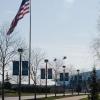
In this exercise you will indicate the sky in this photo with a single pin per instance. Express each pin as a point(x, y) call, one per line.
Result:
point(59, 27)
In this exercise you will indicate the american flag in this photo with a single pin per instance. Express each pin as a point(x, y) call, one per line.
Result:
point(24, 9)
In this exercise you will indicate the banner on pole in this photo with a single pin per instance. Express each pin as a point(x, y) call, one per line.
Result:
point(25, 68)
point(66, 76)
point(15, 67)
point(43, 73)
point(62, 76)
point(49, 73)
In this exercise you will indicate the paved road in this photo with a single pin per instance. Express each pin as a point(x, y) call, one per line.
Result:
point(73, 98)
point(25, 97)
point(39, 96)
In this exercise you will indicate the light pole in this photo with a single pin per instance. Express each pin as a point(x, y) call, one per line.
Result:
point(72, 82)
point(46, 61)
point(3, 78)
point(55, 75)
point(64, 79)
point(64, 75)
point(35, 86)
point(20, 50)
point(78, 80)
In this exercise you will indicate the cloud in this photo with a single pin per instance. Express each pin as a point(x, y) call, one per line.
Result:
point(70, 1)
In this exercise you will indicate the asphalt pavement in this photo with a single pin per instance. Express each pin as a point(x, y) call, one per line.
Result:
point(40, 96)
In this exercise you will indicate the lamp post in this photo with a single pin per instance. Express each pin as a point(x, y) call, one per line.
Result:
point(20, 50)
point(35, 86)
point(46, 61)
point(72, 84)
point(3, 78)
point(78, 80)
point(64, 58)
point(64, 79)
point(55, 75)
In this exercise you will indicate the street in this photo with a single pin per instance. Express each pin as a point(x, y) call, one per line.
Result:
point(40, 96)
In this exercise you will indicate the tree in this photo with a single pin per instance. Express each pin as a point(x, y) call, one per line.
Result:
point(72, 71)
point(8, 49)
point(57, 65)
point(96, 47)
point(94, 86)
point(7, 83)
point(36, 59)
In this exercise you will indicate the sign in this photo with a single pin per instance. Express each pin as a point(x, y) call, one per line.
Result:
point(25, 68)
point(62, 77)
point(42, 73)
point(66, 76)
point(15, 67)
point(49, 73)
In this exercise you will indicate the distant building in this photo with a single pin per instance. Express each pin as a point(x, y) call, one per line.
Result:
point(86, 76)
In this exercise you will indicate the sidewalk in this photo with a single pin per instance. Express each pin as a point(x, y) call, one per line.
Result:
point(39, 96)
point(73, 98)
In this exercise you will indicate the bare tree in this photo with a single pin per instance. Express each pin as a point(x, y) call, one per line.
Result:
point(8, 49)
point(96, 47)
point(36, 60)
point(72, 71)
point(37, 57)
point(56, 69)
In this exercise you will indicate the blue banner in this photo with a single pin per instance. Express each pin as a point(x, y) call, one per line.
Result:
point(66, 76)
point(62, 76)
point(49, 73)
point(25, 68)
point(42, 73)
point(15, 67)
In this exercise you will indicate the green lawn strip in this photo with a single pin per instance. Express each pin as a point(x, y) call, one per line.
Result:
point(16, 94)
point(84, 99)
point(11, 93)
point(87, 98)
point(22, 94)
point(53, 97)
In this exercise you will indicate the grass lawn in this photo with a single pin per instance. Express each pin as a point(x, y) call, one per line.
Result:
point(87, 98)
point(16, 94)
point(12, 93)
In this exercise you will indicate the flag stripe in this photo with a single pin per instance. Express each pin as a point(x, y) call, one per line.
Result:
point(24, 9)
point(23, 15)
point(26, 5)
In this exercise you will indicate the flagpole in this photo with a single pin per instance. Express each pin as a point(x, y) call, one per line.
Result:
point(30, 44)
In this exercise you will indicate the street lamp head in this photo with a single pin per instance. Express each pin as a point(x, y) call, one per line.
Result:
point(55, 59)
point(20, 50)
point(64, 66)
point(78, 70)
point(64, 57)
point(46, 60)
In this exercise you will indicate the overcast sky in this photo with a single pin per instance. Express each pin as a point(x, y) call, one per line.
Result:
point(59, 27)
